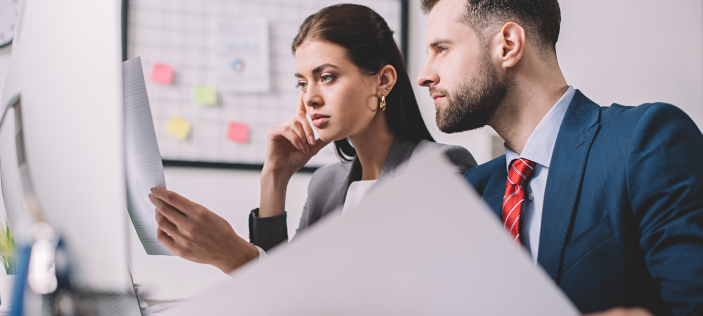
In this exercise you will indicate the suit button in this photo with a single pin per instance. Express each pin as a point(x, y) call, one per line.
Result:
point(531, 196)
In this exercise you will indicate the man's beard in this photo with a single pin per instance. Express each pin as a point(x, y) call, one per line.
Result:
point(473, 105)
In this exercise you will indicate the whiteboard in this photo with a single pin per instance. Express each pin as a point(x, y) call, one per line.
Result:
point(183, 34)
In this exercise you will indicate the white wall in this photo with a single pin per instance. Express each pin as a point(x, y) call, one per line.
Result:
point(626, 51)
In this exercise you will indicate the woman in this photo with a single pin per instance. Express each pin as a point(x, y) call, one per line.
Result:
point(354, 86)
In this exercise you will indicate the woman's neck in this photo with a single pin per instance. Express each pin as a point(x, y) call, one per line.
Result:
point(372, 146)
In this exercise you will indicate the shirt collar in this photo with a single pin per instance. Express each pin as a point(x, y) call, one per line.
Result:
point(540, 144)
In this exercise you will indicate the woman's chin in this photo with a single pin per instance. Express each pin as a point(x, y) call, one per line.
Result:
point(328, 137)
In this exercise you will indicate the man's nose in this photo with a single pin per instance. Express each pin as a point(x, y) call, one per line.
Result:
point(427, 77)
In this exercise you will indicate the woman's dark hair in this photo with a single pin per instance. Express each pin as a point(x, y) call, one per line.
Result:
point(369, 44)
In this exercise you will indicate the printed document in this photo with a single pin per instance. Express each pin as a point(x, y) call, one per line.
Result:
point(142, 158)
point(421, 243)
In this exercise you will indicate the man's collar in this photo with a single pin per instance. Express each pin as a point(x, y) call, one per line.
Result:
point(540, 144)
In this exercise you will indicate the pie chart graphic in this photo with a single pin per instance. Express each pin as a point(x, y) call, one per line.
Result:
point(238, 65)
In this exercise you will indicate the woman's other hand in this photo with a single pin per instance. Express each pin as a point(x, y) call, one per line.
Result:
point(195, 233)
point(291, 144)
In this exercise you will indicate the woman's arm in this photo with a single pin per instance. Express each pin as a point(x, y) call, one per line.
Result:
point(289, 147)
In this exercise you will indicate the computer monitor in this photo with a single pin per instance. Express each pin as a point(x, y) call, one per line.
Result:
point(65, 74)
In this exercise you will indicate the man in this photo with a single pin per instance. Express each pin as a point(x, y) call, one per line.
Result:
point(608, 200)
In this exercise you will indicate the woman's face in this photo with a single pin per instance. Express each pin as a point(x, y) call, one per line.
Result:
point(340, 99)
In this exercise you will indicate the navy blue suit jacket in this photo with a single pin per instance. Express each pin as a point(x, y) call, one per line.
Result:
point(622, 221)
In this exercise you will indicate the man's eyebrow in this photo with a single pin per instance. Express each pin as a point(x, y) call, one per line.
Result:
point(440, 41)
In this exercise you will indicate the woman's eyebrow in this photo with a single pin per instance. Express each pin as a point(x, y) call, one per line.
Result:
point(317, 69)
point(321, 67)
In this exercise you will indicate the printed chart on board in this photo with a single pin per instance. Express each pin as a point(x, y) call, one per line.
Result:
point(219, 73)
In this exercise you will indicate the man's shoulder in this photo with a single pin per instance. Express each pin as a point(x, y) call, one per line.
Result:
point(645, 125)
point(480, 175)
point(627, 117)
point(458, 155)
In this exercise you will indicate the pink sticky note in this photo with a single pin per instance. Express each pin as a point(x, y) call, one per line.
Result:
point(238, 132)
point(162, 73)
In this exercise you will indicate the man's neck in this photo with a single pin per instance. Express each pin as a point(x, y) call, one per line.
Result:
point(525, 104)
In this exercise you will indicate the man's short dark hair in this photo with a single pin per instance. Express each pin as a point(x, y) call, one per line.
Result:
point(541, 19)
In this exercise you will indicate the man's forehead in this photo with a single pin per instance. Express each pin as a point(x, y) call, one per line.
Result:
point(448, 10)
point(445, 20)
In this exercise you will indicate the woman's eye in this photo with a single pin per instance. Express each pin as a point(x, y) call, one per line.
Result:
point(326, 78)
point(301, 85)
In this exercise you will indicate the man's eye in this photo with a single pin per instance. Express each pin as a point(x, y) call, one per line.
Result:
point(301, 85)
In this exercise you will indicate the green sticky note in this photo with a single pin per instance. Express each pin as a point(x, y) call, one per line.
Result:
point(205, 95)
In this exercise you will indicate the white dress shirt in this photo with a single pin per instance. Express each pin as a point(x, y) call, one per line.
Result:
point(356, 193)
point(539, 148)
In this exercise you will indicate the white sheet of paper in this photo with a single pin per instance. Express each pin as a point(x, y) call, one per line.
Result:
point(142, 158)
point(422, 244)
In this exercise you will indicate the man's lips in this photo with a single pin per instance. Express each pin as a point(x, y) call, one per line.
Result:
point(438, 98)
point(318, 119)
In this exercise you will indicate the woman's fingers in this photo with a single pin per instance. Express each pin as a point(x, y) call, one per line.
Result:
point(165, 239)
point(294, 133)
point(309, 134)
point(301, 102)
point(174, 215)
point(173, 199)
point(165, 224)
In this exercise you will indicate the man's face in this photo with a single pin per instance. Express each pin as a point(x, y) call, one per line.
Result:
point(464, 83)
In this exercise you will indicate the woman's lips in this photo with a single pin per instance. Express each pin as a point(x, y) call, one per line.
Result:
point(318, 119)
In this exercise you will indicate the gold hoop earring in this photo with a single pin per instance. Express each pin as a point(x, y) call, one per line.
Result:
point(383, 104)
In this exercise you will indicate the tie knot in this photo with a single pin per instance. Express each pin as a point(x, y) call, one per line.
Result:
point(520, 171)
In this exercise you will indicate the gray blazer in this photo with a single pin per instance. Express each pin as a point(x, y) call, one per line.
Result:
point(327, 190)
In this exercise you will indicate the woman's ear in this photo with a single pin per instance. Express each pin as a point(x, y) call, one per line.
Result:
point(387, 78)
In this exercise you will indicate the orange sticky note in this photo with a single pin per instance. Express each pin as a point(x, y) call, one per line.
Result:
point(238, 132)
point(162, 73)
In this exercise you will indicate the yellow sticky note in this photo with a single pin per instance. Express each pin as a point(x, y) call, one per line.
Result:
point(205, 95)
point(178, 128)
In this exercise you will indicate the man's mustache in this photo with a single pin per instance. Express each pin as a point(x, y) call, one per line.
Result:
point(436, 90)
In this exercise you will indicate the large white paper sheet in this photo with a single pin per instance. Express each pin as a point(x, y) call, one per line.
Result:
point(142, 158)
point(422, 244)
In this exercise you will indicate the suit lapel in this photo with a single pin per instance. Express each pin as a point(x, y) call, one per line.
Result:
point(495, 190)
point(578, 129)
point(337, 198)
point(400, 151)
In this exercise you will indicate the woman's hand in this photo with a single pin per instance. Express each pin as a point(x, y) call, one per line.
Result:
point(291, 144)
point(195, 233)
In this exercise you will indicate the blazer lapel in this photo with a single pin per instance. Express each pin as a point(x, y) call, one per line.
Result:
point(495, 190)
point(337, 198)
point(399, 152)
point(578, 129)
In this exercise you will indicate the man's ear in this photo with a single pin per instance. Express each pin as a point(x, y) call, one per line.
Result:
point(511, 41)
point(386, 80)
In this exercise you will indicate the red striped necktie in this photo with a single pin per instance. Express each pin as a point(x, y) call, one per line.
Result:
point(519, 173)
